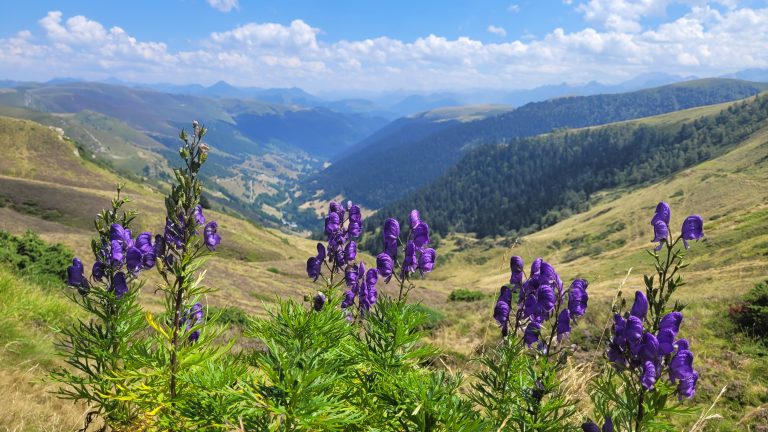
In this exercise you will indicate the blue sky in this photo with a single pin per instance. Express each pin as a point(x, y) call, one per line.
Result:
point(383, 45)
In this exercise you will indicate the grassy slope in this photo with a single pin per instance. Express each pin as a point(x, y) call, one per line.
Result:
point(256, 264)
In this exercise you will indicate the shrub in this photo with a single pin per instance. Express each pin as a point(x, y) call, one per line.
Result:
point(465, 295)
point(230, 315)
point(751, 314)
point(29, 255)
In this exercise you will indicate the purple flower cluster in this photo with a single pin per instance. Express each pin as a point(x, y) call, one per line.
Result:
point(174, 230)
point(119, 254)
point(540, 298)
point(692, 229)
point(651, 354)
point(361, 286)
point(416, 256)
point(341, 227)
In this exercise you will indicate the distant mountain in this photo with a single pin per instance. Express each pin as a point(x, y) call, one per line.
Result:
point(376, 175)
point(758, 75)
point(534, 182)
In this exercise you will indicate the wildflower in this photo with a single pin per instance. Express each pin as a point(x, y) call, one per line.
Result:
point(391, 235)
point(648, 379)
point(194, 317)
point(410, 261)
point(119, 285)
point(649, 347)
point(197, 214)
point(384, 265)
point(669, 326)
point(516, 267)
point(633, 332)
point(531, 334)
point(413, 218)
point(693, 229)
point(578, 298)
point(355, 221)
point(426, 261)
point(502, 308)
point(332, 223)
point(663, 214)
point(75, 275)
point(98, 271)
point(349, 299)
point(318, 301)
point(421, 234)
point(640, 306)
point(314, 264)
point(350, 251)
point(211, 236)
point(590, 426)
point(660, 233)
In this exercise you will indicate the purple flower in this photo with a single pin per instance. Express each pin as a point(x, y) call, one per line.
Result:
point(211, 236)
point(668, 329)
point(693, 229)
point(98, 271)
point(75, 276)
point(426, 261)
point(681, 365)
point(413, 218)
point(590, 426)
point(391, 234)
point(662, 214)
point(197, 214)
point(367, 290)
point(545, 301)
point(159, 247)
point(384, 265)
point(120, 234)
point(563, 325)
point(648, 378)
point(616, 356)
point(502, 308)
point(619, 328)
point(421, 234)
point(332, 223)
point(349, 299)
point(337, 208)
point(133, 259)
point(315, 263)
point(144, 243)
point(660, 233)
point(633, 332)
point(536, 267)
point(640, 306)
point(119, 285)
point(350, 276)
point(350, 251)
point(516, 267)
point(686, 388)
point(174, 233)
point(531, 334)
point(578, 298)
point(355, 221)
point(409, 261)
point(116, 253)
point(608, 425)
point(649, 347)
point(318, 301)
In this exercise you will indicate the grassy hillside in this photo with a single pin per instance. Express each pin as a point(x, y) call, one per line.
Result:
point(45, 186)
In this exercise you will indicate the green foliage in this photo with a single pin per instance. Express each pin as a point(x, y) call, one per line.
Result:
point(751, 315)
point(465, 295)
point(30, 256)
point(96, 348)
point(489, 192)
point(229, 315)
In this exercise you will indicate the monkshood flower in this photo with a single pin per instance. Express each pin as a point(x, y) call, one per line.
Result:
point(76, 277)
point(315, 263)
point(211, 236)
point(693, 229)
point(385, 265)
point(119, 285)
point(318, 301)
point(391, 234)
point(590, 426)
point(653, 355)
point(541, 297)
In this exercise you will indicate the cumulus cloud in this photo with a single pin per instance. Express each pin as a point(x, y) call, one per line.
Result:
point(224, 5)
point(498, 31)
point(514, 8)
point(704, 41)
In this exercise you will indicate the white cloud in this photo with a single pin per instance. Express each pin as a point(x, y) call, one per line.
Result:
point(705, 41)
point(514, 8)
point(498, 31)
point(224, 5)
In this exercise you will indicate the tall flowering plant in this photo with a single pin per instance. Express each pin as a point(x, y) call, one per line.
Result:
point(96, 347)
point(163, 366)
point(520, 386)
point(650, 365)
